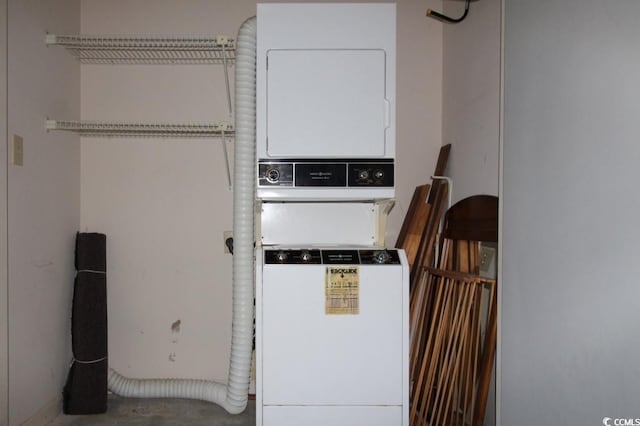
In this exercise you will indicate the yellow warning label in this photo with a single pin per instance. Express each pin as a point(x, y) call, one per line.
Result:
point(342, 290)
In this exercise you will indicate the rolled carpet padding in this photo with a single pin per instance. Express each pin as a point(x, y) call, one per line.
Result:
point(89, 316)
point(86, 389)
point(91, 251)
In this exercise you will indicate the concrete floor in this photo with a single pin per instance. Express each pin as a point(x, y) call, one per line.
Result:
point(161, 412)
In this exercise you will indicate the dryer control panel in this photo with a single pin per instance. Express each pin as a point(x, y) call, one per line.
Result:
point(328, 174)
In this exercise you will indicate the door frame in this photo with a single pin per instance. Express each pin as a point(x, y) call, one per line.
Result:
point(4, 292)
point(500, 222)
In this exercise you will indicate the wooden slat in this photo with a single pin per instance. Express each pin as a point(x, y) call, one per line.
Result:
point(414, 223)
point(436, 199)
point(425, 253)
point(450, 364)
point(441, 167)
point(459, 275)
point(486, 365)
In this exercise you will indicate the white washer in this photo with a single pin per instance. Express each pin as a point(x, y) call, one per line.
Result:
point(321, 361)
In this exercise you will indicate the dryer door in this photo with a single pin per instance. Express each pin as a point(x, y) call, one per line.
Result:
point(326, 103)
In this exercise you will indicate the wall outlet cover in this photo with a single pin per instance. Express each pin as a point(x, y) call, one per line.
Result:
point(486, 258)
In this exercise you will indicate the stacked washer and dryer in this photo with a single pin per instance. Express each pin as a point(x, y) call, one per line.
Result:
point(331, 302)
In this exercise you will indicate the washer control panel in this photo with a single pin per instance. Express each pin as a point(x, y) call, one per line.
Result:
point(331, 257)
point(349, 173)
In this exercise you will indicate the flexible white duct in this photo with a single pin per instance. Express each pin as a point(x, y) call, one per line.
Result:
point(233, 396)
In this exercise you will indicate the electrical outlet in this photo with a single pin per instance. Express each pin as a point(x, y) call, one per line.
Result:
point(225, 236)
point(18, 151)
point(486, 258)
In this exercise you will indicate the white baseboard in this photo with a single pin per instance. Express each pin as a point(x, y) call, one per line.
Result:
point(45, 414)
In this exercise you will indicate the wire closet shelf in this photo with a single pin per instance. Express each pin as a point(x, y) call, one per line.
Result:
point(125, 50)
point(118, 129)
point(92, 49)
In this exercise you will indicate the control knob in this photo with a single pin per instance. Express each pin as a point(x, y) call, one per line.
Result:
point(378, 174)
point(364, 174)
point(273, 175)
point(381, 256)
point(282, 256)
point(305, 256)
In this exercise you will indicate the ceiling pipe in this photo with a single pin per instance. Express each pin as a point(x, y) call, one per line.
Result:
point(447, 19)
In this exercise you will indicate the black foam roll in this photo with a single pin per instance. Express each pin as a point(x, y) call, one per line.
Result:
point(86, 389)
point(91, 251)
point(89, 316)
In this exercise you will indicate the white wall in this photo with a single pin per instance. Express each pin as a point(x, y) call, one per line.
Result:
point(164, 204)
point(571, 300)
point(419, 103)
point(471, 96)
point(471, 106)
point(43, 204)
point(4, 317)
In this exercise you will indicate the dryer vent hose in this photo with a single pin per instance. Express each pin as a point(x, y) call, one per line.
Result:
point(233, 396)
